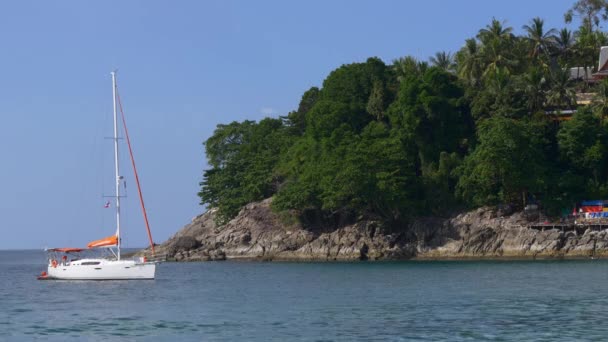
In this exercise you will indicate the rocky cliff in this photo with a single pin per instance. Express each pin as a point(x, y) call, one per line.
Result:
point(258, 233)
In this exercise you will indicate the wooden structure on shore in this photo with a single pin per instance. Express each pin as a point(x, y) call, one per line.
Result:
point(569, 227)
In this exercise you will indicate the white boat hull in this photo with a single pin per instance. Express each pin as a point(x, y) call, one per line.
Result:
point(101, 269)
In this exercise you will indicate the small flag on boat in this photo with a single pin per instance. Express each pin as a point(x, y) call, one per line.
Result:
point(107, 205)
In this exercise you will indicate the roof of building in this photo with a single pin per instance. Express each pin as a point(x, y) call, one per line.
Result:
point(603, 64)
point(583, 73)
point(602, 68)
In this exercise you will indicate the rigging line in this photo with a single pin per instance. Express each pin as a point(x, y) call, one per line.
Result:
point(102, 167)
point(141, 198)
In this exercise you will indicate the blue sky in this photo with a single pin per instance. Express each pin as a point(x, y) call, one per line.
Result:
point(183, 67)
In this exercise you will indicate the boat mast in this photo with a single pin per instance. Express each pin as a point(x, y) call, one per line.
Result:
point(116, 166)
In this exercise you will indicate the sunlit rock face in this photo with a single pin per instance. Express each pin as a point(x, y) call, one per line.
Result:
point(258, 233)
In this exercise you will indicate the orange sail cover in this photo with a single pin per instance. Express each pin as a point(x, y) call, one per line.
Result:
point(107, 241)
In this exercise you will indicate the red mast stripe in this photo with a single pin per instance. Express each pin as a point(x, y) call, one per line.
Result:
point(141, 198)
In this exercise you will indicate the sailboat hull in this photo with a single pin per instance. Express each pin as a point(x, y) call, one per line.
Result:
point(102, 269)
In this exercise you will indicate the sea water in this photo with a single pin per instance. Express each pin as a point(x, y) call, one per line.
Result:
point(272, 301)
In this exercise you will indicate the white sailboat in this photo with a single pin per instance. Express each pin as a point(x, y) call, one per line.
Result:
point(68, 263)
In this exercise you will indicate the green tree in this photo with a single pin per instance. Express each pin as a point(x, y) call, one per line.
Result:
point(440, 181)
point(408, 66)
point(433, 110)
point(534, 85)
point(591, 13)
point(561, 94)
point(495, 31)
point(564, 45)
point(587, 45)
point(469, 63)
point(498, 44)
point(443, 60)
point(373, 174)
point(582, 144)
point(540, 41)
point(345, 97)
point(297, 119)
point(329, 170)
point(500, 96)
point(507, 164)
point(376, 103)
point(391, 186)
point(600, 100)
point(301, 167)
point(242, 157)
point(393, 142)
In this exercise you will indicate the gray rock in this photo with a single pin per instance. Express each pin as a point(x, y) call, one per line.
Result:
point(185, 243)
point(258, 233)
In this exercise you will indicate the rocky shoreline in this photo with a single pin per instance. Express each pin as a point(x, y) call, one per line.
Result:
point(257, 233)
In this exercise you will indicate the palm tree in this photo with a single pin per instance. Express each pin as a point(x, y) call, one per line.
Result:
point(496, 55)
point(600, 100)
point(497, 43)
point(408, 66)
point(564, 43)
point(540, 41)
point(499, 87)
point(587, 46)
point(533, 84)
point(443, 60)
point(561, 94)
point(495, 31)
point(469, 62)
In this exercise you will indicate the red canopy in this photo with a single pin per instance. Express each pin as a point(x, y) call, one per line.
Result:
point(66, 250)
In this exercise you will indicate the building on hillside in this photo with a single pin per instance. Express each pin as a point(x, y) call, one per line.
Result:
point(591, 212)
point(586, 75)
point(602, 68)
point(581, 74)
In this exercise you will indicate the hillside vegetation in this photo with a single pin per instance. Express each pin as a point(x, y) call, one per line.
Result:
point(416, 138)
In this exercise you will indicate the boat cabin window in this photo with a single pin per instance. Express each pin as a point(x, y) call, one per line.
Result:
point(90, 263)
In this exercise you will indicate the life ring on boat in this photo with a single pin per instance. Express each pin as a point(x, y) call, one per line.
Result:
point(54, 263)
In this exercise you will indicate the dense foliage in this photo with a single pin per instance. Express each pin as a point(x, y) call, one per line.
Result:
point(416, 138)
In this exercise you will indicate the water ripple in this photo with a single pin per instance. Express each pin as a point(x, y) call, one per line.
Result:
point(406, 301)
